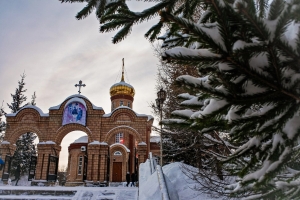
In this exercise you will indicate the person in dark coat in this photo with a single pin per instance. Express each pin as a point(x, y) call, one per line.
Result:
point(17, 174)
point(127, 179)
point(133, 180)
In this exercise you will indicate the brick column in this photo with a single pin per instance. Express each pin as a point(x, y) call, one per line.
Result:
point(142, 152)
point(6, 149)
point(103, 161)
point(44, 149)
point(93, 152)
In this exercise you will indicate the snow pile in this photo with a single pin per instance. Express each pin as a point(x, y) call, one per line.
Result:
point(175, 177)
point(145, 181)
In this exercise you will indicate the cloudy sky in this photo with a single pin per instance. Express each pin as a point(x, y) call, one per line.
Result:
point(55, 50)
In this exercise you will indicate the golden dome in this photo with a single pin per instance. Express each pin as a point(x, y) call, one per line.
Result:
point(122, 87)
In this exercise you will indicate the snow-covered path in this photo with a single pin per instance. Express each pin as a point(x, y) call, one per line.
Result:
point(81, 193)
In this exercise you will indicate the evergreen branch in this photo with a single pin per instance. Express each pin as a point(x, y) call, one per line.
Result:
point(100, 8)
point(193, 28)
point(283, 22)
point(154, 31)
point(287, 50)
point(122, 33)
point(274, 62)
point(262, 6)
point(206, 16)
point(87, 10)
point(125, 16)
point(276, 8)
point(113, 25)
point(259, 26)
point(262, 80)
point(112, 8)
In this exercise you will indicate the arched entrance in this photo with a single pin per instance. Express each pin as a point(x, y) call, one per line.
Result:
point(73, 158)
point(119, 155)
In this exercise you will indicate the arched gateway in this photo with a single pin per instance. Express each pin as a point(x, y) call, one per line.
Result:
point(116, 142)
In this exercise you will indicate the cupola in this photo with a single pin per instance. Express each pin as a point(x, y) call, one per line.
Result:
point(121, 93)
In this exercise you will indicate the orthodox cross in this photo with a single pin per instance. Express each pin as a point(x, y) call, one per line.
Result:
point(79, 85)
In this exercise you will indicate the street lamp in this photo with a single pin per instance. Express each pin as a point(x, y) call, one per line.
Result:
point(161, 97)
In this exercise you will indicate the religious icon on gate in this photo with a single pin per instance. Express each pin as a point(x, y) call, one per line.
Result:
point(74, 112)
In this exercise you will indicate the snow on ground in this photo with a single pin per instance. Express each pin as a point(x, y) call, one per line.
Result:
point(25, 191)
point(181, 183)
point(82, 193)
point(177, 182)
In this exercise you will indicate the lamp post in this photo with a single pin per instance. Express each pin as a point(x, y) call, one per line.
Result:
point(161, 97)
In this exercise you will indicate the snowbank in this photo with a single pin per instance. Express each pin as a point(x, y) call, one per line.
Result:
point(149, 186)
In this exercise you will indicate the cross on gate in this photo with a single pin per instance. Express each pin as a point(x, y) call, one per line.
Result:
point(79, 85)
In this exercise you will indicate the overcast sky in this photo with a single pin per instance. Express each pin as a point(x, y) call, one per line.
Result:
point(44, 39)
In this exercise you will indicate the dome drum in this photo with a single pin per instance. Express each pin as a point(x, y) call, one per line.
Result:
point(121, 96)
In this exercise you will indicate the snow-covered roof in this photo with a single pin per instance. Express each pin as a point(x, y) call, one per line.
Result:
point(119, 144)
point(5, 142)
point(155, 139)
point(121, 83)
point(97, 143)
point(75, 96)
point(142, 143)
point(83, 139)
point(126, 107)
point(42, 114)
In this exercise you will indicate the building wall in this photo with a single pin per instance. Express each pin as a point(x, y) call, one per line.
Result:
point(99, 127)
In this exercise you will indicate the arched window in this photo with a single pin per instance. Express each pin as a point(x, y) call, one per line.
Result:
point(129, 104)
point(121, 103)
point(119, 138)
point(118, 153)
point(80, 165)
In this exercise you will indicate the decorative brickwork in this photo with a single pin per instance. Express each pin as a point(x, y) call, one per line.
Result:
point(101, 130)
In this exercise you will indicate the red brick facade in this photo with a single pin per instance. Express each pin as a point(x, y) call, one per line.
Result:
point(101, 130)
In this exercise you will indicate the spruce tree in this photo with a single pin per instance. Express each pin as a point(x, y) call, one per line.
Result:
point(33, 97)
point(25, 144)
point(19, 97)
point(2, 124)
point(249, 64)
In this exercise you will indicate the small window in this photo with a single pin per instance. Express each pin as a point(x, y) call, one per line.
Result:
point(121, 103)
point(118, 153)
point(80, 165)
point(129, 104)
point(119, 138)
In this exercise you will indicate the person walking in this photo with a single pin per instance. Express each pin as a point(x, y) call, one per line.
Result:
point(17, 174)
point(133, 180)
point(127, 179)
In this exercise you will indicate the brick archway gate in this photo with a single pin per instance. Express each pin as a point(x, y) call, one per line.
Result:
point(78, 113)
point(74, 113)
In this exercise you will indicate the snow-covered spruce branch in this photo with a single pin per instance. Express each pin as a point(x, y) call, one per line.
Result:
point(262, 80)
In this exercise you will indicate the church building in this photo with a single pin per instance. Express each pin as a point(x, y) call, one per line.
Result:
point(115, 142)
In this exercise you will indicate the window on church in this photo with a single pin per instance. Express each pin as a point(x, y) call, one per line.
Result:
point(129, 104)
point(119, 138)
point(80, 165)
point(118, 153)
point(121, 103)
